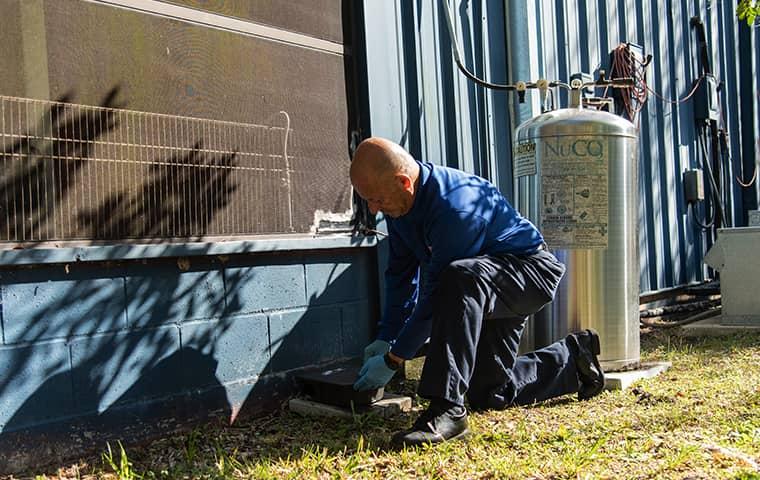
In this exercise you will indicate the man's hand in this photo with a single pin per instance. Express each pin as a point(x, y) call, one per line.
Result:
point(378, 347)
point(374, 374)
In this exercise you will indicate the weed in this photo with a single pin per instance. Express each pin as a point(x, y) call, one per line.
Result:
point(191, 445)
point(121, 466)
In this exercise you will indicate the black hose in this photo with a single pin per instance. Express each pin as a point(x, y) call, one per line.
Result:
point(704, 226)
point(713, 183)
point(694, 318)
point(457, 54)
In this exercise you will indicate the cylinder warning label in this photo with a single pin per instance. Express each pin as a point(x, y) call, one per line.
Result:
point(575, 211)
point(524, 159)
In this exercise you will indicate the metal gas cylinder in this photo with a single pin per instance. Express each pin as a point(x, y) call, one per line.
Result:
point(576, 178)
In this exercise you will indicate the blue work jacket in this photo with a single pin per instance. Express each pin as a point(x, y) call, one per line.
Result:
point(455, 215)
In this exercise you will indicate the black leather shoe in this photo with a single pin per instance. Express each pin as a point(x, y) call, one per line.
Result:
point(590, 373)
point(435, 425)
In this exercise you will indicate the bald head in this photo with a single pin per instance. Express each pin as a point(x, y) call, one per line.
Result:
point(385, 175)
point(378, 158)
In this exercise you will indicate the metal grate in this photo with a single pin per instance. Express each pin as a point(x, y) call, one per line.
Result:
point(73, 172)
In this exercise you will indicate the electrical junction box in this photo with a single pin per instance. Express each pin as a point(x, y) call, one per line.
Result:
point(693, 186)
point(753, 218)
point(706, 106)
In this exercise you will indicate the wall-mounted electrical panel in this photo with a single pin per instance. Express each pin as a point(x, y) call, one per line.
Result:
point(706, 106)
point(693, 186)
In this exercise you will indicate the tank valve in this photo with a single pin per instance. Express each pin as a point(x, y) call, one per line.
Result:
point(576, 89)
point(622, 82)
point(520, 88)
point(542, 85)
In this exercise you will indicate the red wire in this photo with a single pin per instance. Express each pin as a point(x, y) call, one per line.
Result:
point(622, 59)
point(678, 100)
point(748, 184)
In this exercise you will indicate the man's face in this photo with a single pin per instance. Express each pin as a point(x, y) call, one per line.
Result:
point(386, 196)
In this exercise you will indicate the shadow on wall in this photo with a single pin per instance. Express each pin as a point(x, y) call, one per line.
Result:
point(325, 318)
point(101, 339)
point(86, 339)
point(95, 365)
point(56, 163)
point(180, 191)
point(45, 173)
point(101, 351)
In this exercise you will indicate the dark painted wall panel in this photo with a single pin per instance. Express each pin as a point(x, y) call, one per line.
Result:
point(35, 384)
point(171, 129)
point(181, 345)
point(56, 303)
point(239, 345)
point(354, 327)
point(336, 281)
point(110, 370)
point(301, 338)
point(177, 293)
point(319, 18)
point(265, 287)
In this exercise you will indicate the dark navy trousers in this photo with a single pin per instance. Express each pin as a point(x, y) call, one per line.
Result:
point(480, 308)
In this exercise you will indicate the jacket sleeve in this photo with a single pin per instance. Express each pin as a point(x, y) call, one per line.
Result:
point(401, 286)
point(454, 236)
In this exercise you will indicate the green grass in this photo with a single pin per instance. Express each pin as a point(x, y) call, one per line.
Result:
point(698, 420)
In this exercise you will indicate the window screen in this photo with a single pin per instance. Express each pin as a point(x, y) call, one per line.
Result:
point(132, 121)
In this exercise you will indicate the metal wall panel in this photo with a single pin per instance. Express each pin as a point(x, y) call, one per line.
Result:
point(442, 117)
point(419, 99)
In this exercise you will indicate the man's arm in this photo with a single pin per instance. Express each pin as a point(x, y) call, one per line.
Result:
point(401, 282)
point(454, 236)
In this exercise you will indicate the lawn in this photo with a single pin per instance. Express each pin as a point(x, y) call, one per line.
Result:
point(698, 420)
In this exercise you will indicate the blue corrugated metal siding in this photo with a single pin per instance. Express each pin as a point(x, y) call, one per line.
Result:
point(442, 117)
point(749, 58)
point(418, 98)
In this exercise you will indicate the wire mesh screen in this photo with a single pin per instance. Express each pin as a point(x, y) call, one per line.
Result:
point(73, 171)
point(123, 123)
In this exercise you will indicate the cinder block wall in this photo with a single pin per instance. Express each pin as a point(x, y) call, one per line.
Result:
point(118, 350)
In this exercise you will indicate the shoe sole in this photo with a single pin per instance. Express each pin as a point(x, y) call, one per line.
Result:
point(596, 348)
point(596, 345)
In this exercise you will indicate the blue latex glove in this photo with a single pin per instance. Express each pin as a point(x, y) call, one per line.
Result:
point(374, 374)
point(378, 347)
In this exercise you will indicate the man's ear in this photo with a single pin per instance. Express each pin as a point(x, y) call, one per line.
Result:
point(405, 182)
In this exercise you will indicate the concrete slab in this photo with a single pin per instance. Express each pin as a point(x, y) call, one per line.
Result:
point(714, 327)
point(623, 380)
point(388, 406)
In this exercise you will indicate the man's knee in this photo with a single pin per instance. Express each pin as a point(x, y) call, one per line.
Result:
point(457, 275)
